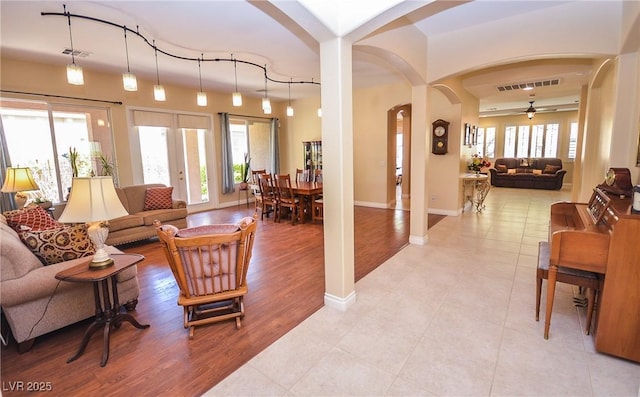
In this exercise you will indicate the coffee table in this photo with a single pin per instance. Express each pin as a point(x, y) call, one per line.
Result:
point(108, 308)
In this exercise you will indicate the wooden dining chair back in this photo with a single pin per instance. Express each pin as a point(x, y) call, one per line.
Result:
point(300, 175)
point(286, 198)
point(269, 195)
point(318, 175)
point(255, 188)
point(210, 265)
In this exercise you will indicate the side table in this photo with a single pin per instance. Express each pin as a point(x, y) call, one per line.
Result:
point(108, 309)
point(475, 185)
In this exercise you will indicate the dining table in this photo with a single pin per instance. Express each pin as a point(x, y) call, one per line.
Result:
point(307, 191)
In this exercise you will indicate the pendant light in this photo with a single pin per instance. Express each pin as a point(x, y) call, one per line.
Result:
point(266, 104)
point(74, 72)
point(237, 97)
point(531, 111)
point(289, 108)
point(158, 90)
point(201, 97)
point(128, 79)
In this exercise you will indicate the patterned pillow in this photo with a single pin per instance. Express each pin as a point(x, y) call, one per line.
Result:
point(158, 198)
point(31, 218)
point(501, 168)
point(59, 245)
point(551, 169)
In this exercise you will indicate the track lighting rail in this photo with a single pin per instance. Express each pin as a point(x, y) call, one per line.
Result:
point(184, 58)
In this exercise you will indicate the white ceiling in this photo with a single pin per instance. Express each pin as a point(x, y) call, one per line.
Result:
point(262, 34)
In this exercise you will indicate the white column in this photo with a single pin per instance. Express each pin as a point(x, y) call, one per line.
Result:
point(420, 140)
point(337, 164)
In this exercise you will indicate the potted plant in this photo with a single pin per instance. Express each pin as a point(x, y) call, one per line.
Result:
point(244, 172)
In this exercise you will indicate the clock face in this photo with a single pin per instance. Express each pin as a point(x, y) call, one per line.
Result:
point(439, 131)
point(610, 178)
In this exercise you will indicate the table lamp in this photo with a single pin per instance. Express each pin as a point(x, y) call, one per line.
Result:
point(19, 180)
point(94, 201)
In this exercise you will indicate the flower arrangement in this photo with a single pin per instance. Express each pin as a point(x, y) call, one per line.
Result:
point(477, 163)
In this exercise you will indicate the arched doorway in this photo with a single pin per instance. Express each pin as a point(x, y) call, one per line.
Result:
point(399, 156)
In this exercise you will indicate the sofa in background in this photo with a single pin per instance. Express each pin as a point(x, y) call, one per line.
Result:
point(543, 173)
point(143, 210)
point(34, 302)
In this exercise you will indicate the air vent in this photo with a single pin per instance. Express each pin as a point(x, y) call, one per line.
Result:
point(521, 86)
point(76, 53)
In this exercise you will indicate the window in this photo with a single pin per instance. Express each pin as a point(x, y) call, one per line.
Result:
point(56, 128)
point(486, 145)
point(541, 140)
point(253, 138)
point(573, 141)
point(510, 141)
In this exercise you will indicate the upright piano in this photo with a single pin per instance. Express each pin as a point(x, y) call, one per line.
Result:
point(603, 236)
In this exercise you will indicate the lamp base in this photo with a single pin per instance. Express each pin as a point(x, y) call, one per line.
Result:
point(101, 265)
point(98, 232)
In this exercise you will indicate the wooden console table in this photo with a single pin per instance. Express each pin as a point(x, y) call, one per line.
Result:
point(108, 309)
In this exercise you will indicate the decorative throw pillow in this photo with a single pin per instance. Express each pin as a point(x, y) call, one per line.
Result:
point(511, 171)
point(31, 218)
point(59, 245)
point(551, 169)
point(158, 198)
point(537, 172)
point(501, 168)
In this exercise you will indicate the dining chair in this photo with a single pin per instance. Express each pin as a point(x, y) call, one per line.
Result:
point(300, 175)
point(286, 198)
point(588, 281)
point(210, 265)
point(254, 185)
point(317, 209)
point(269, 196)
point(318, 175)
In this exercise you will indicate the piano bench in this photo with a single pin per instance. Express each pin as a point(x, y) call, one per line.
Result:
point(589, 280)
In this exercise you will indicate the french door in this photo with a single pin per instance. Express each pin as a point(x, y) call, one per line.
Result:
point(175, 150)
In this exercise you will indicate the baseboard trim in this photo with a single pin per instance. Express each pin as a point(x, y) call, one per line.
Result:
point(336, 302)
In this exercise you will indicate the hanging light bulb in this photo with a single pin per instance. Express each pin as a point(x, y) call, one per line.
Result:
point(158, 90)
point(201, 97)
point(266, 104)
point(128, 79)
point(74, 72)
point(289, 108)
point(237, 97)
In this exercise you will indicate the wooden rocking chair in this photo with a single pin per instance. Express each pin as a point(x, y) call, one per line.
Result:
point(210, 265)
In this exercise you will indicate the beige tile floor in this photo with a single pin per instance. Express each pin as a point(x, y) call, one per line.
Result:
point(454, 317)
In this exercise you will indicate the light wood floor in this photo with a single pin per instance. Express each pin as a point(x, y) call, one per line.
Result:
point(286, 284)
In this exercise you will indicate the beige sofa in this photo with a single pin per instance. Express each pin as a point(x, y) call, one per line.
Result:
point(34, 302)
point(138, 225)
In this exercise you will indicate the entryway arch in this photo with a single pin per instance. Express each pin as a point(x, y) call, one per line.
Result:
point(398, 122)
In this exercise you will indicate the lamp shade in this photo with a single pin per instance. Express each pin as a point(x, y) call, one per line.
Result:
point(19, 180)
point(91, 200)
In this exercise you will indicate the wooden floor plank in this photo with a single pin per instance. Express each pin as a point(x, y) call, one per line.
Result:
point(286, 285)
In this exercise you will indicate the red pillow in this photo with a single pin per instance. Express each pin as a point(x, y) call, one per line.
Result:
point(158, 198)
point(32, 218)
